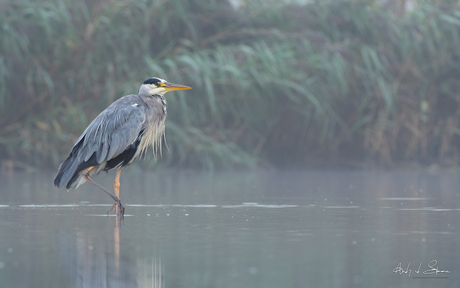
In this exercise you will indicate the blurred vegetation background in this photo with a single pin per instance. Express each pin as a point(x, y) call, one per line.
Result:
point(357, 83)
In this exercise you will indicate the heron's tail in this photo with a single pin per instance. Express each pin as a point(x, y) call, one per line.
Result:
point(66, 172)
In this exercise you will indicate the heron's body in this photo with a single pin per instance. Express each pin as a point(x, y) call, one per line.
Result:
point(118, 135)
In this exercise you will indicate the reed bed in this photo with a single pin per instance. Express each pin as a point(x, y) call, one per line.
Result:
point(348, 83)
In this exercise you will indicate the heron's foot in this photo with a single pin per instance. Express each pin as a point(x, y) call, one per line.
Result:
point(120, 208)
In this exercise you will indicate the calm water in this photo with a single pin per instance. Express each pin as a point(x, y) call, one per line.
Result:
point(252, 229)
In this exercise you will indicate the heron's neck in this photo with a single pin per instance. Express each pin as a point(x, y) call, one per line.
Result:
point(155, 100)
point(161, 96)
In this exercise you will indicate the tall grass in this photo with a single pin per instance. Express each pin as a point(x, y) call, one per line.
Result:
point(333, 82)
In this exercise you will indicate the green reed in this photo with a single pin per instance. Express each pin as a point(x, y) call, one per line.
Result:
point(349, 83)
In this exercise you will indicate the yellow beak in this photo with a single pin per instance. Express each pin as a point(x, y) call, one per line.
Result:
point(172, 87)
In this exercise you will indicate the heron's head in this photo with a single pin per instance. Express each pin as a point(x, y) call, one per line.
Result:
point(158, 86)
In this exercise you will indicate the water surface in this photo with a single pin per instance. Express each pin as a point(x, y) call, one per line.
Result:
point(233, 229)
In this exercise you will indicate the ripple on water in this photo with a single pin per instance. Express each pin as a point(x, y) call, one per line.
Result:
point(257, 205)
point(426, 209)
point(107, 215)
point(49, 205)
point(244, 205)
point(405, 198)
point(342, 207)
point(195, 206)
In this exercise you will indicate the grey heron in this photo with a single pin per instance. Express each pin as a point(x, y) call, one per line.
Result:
point(117, 136)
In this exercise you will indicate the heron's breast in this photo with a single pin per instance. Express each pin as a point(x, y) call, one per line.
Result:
point(152, 137)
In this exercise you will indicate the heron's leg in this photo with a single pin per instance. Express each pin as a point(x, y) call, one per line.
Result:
point(116, 187)
point(121, 208)
point(116, 184)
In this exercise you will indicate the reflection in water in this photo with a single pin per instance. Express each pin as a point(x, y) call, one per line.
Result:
point(257, 229)
point(116, 244)
point(89, 266)
point(150, 273)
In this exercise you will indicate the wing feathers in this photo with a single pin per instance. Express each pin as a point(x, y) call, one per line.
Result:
point(115, 129)
point(110, 133)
